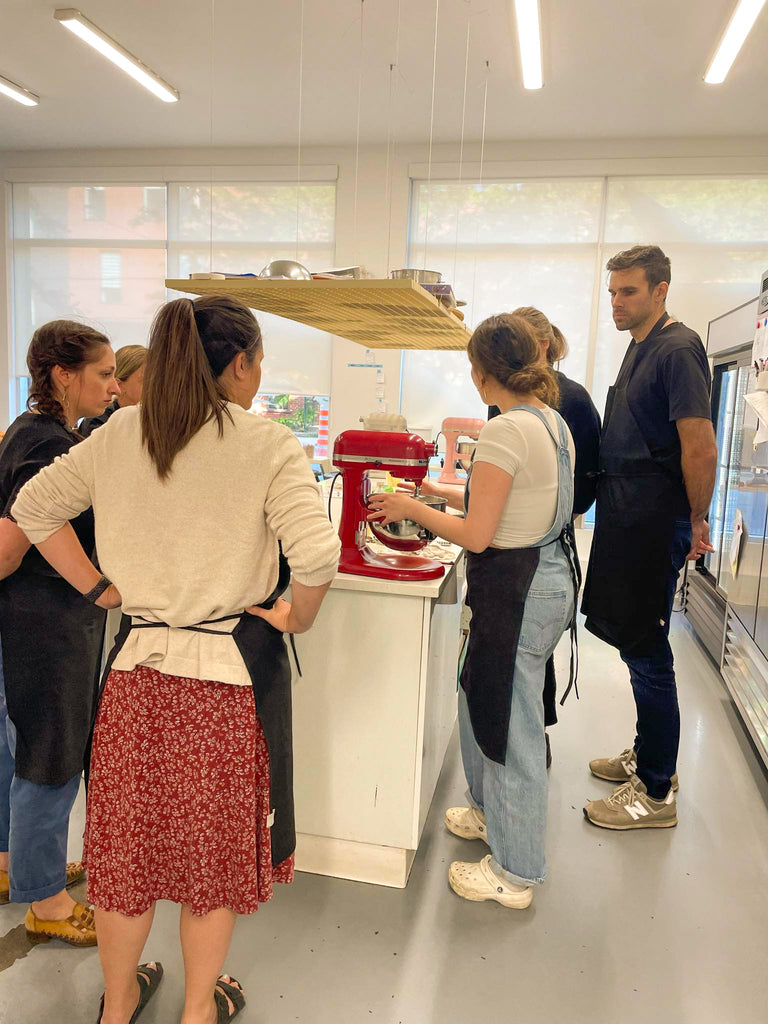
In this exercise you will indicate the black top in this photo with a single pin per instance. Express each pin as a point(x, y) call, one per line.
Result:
point(31, 442)
point(51, 636)
point(579, 412)
point(87, 426)
point(667, 379)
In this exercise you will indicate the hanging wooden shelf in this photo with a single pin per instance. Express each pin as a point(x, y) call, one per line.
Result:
point(374, 313)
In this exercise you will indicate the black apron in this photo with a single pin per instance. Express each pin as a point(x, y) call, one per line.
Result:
point(264, 653)
point(637, 496)
point(52, 640)
point(498, 581)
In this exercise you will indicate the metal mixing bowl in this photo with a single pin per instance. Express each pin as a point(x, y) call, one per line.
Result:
point(286, 270)
point(407, 531)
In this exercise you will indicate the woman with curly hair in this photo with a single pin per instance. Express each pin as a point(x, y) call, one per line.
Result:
point(51, 642)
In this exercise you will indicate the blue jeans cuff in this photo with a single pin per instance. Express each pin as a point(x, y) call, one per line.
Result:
point(41, 893)
point(509, 876)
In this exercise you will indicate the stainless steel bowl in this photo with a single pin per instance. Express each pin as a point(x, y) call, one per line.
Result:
point(407, 534)
point(419, 276)
point(286, 270)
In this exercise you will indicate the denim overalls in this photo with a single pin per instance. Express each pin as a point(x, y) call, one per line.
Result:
point(513, 794)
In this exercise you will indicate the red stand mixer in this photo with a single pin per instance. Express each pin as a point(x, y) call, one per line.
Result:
point(453, 428)
point(355, 454)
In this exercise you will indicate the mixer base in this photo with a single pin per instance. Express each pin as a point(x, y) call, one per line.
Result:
point(365, 562)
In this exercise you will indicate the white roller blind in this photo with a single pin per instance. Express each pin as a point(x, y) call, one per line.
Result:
point(545, 243)
point(87, 252)
point(501, 245)
point(238, 228)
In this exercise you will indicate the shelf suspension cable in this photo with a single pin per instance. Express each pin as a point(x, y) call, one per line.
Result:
point(431, 132)
point(394, 71)
point(298, 134)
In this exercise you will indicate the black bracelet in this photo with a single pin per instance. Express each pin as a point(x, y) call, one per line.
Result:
point(95, 593)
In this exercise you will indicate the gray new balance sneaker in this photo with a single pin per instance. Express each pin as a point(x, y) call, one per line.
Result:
point(620, 768)
point(630, 807)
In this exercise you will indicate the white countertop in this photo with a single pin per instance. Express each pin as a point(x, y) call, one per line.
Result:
point(403, 588)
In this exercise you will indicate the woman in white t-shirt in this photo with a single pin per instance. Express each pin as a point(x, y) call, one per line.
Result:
point(521, 591)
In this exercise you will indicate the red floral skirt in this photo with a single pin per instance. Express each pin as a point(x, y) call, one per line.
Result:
point(178, 798)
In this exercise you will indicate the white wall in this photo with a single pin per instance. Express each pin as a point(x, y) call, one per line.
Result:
point(372, 205)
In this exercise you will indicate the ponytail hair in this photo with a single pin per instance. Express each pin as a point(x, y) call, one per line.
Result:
point(65, 343)
point(505, 347)
point(546, 333)
point(190, 346)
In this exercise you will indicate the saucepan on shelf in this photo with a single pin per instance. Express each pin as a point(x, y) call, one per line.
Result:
point(419, 276)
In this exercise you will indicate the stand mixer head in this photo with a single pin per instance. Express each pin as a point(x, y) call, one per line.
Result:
point(355, 454)
point(453, 428)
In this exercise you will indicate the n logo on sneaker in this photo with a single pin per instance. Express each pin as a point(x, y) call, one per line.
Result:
point(636, 810)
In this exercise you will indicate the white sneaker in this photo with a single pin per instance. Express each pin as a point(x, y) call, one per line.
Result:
point(466, 822)
point(478, 882)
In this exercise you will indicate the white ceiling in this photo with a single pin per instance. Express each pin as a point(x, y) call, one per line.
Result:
point(621, 69)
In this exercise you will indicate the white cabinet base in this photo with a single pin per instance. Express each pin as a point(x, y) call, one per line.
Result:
point(372, 716)
point(359, 862)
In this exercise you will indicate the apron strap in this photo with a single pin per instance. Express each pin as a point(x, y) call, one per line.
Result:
point(200, 628)
point(568, 542)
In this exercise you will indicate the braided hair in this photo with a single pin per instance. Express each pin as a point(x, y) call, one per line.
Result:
point(64, 343)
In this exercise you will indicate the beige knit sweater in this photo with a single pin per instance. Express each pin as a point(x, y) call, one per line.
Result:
point(200, 545)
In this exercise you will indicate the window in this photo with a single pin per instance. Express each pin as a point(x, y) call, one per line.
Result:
point(303, 414)
point(111, 278)
point(102, 253)
point(67, 264)
point(715, 232)
point(545, 243)
point(501, 245)
point(154, 203)
point(239, 228)
point(94, 203)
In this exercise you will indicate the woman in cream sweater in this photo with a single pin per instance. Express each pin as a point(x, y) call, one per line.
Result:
point(200, 509)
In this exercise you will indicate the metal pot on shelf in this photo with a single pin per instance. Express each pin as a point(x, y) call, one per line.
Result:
point(419, 276)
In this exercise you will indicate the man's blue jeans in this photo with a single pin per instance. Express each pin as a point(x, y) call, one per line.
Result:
point(655, 689)
point(34, 822)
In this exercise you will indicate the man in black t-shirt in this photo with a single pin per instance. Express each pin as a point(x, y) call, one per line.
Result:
point(657, 470)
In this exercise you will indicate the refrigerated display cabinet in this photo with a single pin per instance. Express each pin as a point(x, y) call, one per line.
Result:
point(729, 612)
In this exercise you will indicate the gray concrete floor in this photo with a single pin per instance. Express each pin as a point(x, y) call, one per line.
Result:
point(662, 926)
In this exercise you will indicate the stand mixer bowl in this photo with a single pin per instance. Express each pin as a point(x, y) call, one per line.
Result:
point(407, 534)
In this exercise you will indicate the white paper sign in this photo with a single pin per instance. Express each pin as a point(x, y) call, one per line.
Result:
point(758, 401)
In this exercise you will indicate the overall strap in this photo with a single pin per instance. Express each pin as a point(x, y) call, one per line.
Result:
point(562, 443)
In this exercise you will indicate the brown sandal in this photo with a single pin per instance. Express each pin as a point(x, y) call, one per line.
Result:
point(78, 929)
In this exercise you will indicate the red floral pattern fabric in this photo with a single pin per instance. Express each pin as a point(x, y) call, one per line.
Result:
point(178, 798)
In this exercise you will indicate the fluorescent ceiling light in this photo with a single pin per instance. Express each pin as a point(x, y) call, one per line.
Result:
point(529, 36)
point(107, 47)
point(16, 92)
point(739, 27)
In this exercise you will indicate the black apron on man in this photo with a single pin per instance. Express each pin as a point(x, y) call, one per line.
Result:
point(638, 503)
